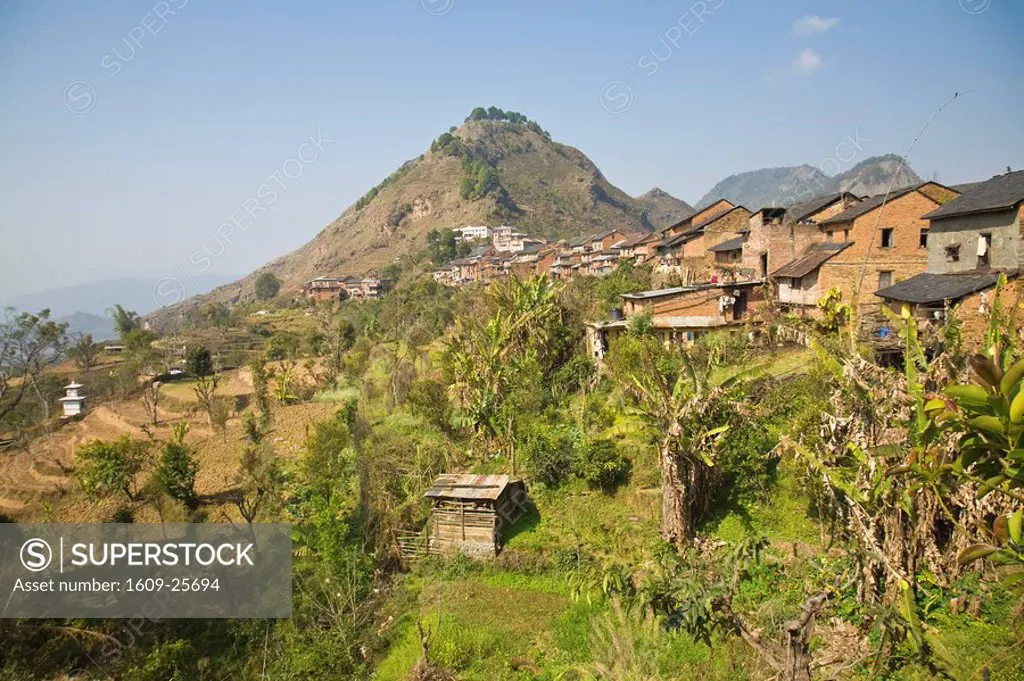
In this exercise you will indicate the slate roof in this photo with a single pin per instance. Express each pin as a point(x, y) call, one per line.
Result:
point(801, 211)
point(533, 247)
point(965, 187)
point(633, 239)
point(936, 288)
point(454, 486)
point(871, 203)
point(816, 256)
point(583, 241)
point(730, 245)
point(679, 239)
point(715, 216)
point(1002, 192)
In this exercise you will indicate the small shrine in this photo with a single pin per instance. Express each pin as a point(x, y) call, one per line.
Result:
point(73, 401)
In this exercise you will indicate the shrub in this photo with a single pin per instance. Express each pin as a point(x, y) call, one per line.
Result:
point(283, 345)
point(548, 452)
point(110, 467)
point(267, 286)
point(601, 464)
point(177, 470)
point(199, 361)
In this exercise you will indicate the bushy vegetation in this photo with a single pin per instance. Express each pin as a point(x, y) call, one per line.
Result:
point(727, 510)
point(267, 286)
point(493, 113)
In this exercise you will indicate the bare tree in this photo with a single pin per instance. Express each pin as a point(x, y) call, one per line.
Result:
point(205, 390)
point(150, 398)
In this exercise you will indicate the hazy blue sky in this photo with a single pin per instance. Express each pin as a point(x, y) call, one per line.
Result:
point(131, 130)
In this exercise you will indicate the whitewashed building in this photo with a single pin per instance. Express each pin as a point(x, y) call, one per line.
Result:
point(73, 402)
point(471, 233)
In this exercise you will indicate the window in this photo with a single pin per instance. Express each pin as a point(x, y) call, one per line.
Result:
point(984, 248)
point(953, 253)
point(846, 236)
point(923, 243)
point(884, 279)
point(828, 235)
point(887, 238)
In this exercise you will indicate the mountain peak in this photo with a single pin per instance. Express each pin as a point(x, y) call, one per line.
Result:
point(787, 185)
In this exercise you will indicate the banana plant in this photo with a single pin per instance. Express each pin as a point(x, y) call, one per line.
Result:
point(990, 412)
point(1008, 558)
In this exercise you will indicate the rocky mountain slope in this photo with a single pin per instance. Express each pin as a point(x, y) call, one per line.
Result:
point(498, 168)
point(781, 186)
point(663, 209)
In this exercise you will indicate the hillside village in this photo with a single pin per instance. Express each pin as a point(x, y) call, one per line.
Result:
point(919, 250)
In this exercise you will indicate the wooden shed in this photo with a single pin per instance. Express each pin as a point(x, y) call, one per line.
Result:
point(472, 513)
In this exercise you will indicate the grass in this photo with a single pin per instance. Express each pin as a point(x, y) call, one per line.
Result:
point(782, 518)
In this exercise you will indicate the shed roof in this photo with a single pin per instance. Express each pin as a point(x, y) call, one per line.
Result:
point(464, 486)
point(936, 288)
point(815, 257)
point(1002, 192)
point(730, 245)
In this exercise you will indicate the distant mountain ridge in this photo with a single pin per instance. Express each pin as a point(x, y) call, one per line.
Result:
point(84, 306)
point(663, 209)
point(787, 185)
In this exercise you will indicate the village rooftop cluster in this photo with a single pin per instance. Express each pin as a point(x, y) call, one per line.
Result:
point(919, 251)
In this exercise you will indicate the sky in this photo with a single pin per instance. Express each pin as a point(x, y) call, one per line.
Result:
point(132, 131)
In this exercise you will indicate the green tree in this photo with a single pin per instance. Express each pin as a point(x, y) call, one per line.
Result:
point(267, 286)
point(111, 467)
point(442, 245)
point(199, 361)
point(177, 469)
point(84, 351)
point(124, 320)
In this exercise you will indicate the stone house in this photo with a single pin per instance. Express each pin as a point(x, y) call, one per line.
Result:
point(980, 229)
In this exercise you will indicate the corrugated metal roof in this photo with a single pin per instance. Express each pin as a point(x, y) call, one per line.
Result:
point(465, 486)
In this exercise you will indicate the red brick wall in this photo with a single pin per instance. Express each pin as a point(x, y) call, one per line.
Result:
point(904, 259)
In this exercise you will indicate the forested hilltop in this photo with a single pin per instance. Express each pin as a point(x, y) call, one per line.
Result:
point(765, 503)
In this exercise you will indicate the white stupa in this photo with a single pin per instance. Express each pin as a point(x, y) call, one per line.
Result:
point(74, 403)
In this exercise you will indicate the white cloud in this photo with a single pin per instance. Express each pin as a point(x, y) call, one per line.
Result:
point(812, 23)
point(808, 62)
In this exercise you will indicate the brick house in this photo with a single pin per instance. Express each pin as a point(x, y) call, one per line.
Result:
point(799, 284)
point(887, 237)
point(688, 254)
point(775, 236)
point(324, 288)
point(681, 314)
point(337, 288)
